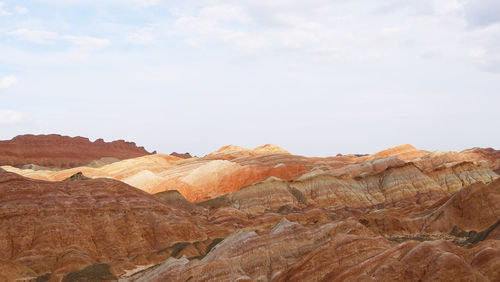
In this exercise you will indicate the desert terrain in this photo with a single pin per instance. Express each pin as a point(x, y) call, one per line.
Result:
point(76, 210)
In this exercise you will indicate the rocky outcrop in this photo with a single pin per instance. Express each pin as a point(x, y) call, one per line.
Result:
point(351, 250)
point(269, 217)
point(59, 227)
point(336, 251)
point(230, 152)
point(489, 156)
point(361, 258)
point(404, 152)
point(386, 188)
point(63, 151)
point(77, 177)
point(246, 255)
point(453, 176)
point(196, 179)
point(472, 208)
point(231, 168)
point(182, 156)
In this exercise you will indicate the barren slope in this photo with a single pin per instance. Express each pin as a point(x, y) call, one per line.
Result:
point(63, 151)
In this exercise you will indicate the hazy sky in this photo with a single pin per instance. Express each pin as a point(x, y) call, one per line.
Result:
point(315, 77)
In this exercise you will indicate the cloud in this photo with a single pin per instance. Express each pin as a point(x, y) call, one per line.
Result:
point(86, 42)
point(11, 117)
point(7, 81)
point(349, 30)
point(145, 3)
point(16, 9)
point(36, 36)
point(144, 36)
point(481, 13)
point(252, 28)
point(51, 38)
point(209, 26)
point(3, 12)
point(21, 10)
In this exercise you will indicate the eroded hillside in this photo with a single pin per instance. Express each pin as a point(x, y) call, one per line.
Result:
point(256, 215)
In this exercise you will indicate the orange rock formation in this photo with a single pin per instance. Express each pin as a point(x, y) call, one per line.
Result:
point(63, 151)
point(262, 215)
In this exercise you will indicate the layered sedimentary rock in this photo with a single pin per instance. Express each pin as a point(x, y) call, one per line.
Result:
point(336, 251)
point(489, 156)
point(362, 258)
point(385, 188)
point(265, 215)
point(404, 152)
point(231, 151)
point(246, 256)
point(231, 168)
point(63, 151)
point(197, 179)
point(58, 227)
point(182, 156)
point(472, 208)
point(454, 176)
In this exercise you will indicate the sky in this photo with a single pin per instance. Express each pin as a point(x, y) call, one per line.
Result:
point(315, 77)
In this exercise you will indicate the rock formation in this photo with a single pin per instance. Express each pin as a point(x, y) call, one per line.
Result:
point(197, 179)
point(59, 227)
point(231, 151)
point(63, 151)
point(231, 168)
point(256, 215)
point(182, 156)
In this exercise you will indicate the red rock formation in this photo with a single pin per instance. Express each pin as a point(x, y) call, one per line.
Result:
point(231, 168)
point(58, 227)
point(475, 207)
point(489, 155)
point(230, 152)
point(346, 250)
point(182, 156)
point(361, 258)
point(63, 151)
point(337, 251)
point(404, 152)
point(319, 226)
point(385, 188)
point(197, 179)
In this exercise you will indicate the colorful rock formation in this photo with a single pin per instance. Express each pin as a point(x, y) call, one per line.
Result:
point(182, 156)
point(256, 215)
point(59, 227)
point(63, 151)
point(231, 168)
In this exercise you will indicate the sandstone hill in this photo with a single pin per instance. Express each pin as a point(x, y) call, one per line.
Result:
point(102, 228)
point(402, 214)
point(231, 168)
point(181, 155)
point(56, 151)
point(59, 227)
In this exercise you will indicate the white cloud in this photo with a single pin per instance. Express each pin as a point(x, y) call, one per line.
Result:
point(37, 36)
point(16, 9)
point(260, 26)
point(11, 117)
point(3, 12)
point(338, 30)
point(7, 81)
point(143, 36)
point(86, 42)
point(145, 3)
point(49, 38)
point(21, 10)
